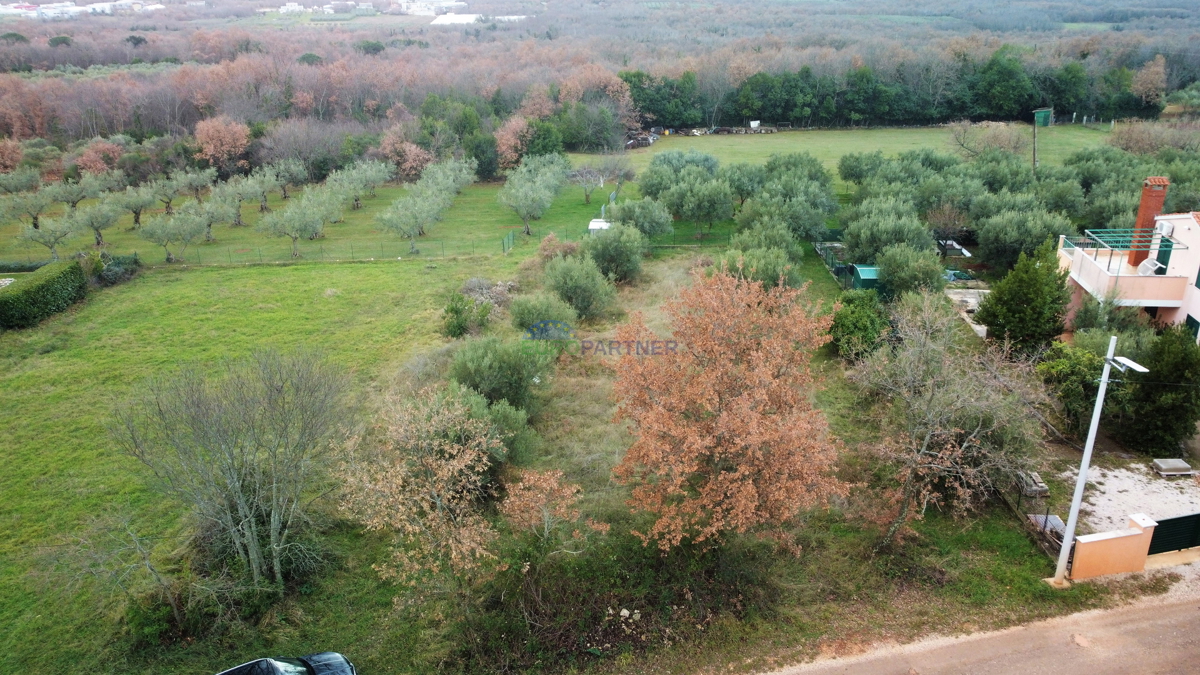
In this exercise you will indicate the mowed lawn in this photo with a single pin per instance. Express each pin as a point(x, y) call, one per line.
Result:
point(60, 381)
point(475, 225)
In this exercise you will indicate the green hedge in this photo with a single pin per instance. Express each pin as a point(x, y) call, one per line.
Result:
point(18, 267)
point(33, 297)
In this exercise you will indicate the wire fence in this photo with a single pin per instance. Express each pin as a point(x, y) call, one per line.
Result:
point(333, 251)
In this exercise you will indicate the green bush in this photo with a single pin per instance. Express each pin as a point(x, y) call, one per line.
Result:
point(528, 310)
point(1162, 407)
point(1071, 374)
point(768, 265)
point(1003, 237)
point(33, 297)
point(511, 425)
point(500, 371)
point(647, 215)
point(618, 251)
point(115, 269)
point(904, 269)
point(20, 267)
point(1028, 305)
point(768, 233)
point(463, 315)
point(859, 324)
point(579, 283)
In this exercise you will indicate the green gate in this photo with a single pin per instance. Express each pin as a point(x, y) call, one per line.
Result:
point(1174, 534)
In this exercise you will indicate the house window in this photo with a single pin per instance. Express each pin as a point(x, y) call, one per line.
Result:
point(1193, 325)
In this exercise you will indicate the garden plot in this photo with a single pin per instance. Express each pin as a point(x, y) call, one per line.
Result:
point(1115, 493)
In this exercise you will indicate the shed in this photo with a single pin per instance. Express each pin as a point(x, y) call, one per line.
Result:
point(598, 224)
point(865, 276)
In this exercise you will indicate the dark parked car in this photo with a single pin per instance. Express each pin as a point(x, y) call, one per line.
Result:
point(325, 663)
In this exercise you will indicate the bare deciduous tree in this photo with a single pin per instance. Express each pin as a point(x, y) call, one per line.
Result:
point(962, 422)
point(246, 451)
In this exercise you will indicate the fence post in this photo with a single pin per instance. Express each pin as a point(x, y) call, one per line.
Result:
point(260, 256)
point(443, 248)
point(352, 250)
point(230, 254)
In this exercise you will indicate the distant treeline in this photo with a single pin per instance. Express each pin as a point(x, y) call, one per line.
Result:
point(1001, 88)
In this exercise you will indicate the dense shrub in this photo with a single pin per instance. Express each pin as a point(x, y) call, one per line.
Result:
point(115, 269)
point(500, 371)
point(463, 315)
point(768, 233)
point(859, 324)
point(528, 310)
point(615, 597)
point(552, 247)
point(1002, 238)
point(1071, 374)
point(33, 297)
point(19, 267)
point(1162, 407)
point(904, 269)
point(618, 251)
point(768, 265)
point(648, 215)
point(579, 282)
point(509, 424)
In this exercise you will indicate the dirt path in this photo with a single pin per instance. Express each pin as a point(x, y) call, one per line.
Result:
point(1155, 636)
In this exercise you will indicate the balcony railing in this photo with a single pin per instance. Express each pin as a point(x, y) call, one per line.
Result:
point(1104, 273)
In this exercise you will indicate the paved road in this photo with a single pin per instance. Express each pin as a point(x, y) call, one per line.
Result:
point(1143, 639)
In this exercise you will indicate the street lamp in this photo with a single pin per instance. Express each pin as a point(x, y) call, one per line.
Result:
point(1122, 364)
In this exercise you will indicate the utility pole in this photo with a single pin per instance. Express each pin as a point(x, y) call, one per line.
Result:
point(1059, 580)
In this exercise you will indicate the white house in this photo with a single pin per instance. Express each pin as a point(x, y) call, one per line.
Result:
point(1155, 265)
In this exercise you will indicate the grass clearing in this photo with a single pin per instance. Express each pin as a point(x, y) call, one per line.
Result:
point(1055, 144)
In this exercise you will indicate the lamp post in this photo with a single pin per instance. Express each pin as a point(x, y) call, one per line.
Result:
point(1122, 364)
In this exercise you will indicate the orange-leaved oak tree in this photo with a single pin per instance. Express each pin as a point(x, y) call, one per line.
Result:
point(422, 476)
point(727, 437)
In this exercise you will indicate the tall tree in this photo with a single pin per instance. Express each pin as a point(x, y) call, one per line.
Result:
point(222, 143)
point(1028, 305)
point(726, 436)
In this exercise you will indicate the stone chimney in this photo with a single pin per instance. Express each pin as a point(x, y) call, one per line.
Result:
point(1154, 193)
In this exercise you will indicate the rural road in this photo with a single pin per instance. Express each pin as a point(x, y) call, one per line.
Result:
point(1141, 639)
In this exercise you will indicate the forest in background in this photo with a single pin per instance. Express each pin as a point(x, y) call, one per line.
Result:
point(581, 74)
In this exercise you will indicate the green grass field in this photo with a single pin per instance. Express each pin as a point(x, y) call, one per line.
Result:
point(828, 145)
point(61, 380)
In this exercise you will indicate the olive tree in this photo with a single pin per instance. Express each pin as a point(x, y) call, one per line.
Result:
point(134, 200)
point(28, 207)
point(177, 230)
point(647, 215)
point(49, 233)
point(96, 219)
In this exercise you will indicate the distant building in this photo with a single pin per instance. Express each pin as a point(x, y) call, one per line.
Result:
point(454, 19)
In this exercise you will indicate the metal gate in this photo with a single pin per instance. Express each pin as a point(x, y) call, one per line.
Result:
point(1174, 534)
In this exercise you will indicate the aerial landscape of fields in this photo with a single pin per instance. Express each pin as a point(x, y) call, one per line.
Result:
point(588, 337)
